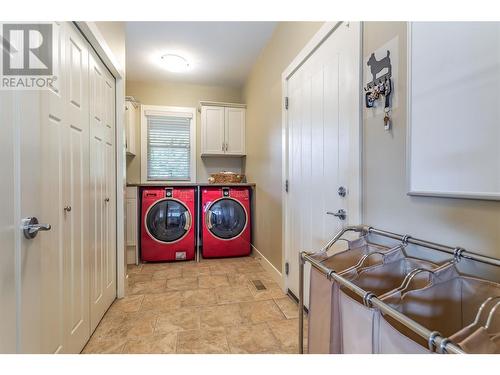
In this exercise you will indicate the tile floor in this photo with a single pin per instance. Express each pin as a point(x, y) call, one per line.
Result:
point(206, 307)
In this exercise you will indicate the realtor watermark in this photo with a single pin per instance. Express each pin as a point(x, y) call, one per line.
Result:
point(27, 61)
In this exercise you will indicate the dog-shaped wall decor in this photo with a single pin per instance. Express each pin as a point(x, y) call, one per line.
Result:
point(380, 86)
point(377, 66)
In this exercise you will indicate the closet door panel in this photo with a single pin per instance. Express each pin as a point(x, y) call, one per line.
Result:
point(109, 95)
point(97, 231)
point(52, 131)
point(102, 171)
point(75, 197)
point(110, 270)
point(109, 200)
point(97, 174)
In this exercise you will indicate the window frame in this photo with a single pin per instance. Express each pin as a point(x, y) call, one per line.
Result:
point(144, 141)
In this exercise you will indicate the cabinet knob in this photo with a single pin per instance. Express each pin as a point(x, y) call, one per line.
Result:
point(106, 200)
point(67, 209)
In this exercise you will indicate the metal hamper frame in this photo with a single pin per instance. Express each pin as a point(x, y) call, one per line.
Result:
point(443, 344)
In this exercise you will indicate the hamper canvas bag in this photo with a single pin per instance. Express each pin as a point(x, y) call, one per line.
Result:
point(323, 313)
point(448, 304)
point(360, 330)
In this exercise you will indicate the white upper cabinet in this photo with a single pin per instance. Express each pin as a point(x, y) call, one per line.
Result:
point(222, 130)
point(212, 130)
point(130, 127)
point(234, 130)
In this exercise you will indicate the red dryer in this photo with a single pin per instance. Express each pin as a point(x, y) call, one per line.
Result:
point(226, 222)
point(168, 224)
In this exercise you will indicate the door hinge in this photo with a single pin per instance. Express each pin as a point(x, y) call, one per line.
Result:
point(286, 186)
point(287, 268)
point(286, 102)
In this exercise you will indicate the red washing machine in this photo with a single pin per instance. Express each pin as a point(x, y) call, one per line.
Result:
point(226, 221)
point(168, 230)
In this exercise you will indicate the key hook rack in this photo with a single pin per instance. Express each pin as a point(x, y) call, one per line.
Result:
point(380, 86)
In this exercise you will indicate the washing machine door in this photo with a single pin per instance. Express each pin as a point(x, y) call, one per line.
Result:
point(168, 220)
point(226, 218)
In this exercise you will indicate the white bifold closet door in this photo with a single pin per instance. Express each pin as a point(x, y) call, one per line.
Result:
point(76, 289)
point(65, 181)
point(102, 175)
point(323, 98)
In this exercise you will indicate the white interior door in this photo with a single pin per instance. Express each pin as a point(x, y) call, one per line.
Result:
point(322, 130)
point(20, 163)
point(8, 238)
point(20, 188)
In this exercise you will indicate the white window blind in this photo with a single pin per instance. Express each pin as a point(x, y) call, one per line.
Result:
point(169, 148)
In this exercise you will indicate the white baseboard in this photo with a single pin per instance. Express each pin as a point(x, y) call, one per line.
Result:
point(267, 265)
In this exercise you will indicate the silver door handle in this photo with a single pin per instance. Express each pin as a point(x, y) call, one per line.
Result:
point(341, 214)
point(31, 227)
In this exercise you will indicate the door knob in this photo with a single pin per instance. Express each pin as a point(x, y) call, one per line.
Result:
point(31, 227)
point(341, 214)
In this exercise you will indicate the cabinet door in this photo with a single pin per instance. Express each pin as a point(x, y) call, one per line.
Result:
point(127, 126)
point(130, 127)
point(75, 194)
point(235, 131)
point(212, 130)
point(131, 218)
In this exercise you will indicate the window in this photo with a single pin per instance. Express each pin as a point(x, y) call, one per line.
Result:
point(168, 144)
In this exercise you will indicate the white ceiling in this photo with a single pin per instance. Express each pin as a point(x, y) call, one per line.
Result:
point(219, 53)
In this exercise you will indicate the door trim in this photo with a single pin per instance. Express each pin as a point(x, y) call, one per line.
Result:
point(355, 214)
point(91, 32)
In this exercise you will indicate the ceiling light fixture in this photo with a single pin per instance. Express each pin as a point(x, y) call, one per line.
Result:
point(175, 63)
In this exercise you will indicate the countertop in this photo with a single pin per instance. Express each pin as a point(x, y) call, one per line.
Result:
point(201, 184)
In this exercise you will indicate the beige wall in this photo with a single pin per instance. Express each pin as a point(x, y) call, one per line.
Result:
point(114, 34)
point(182, 95)
point(262, 93)
point(472, 224)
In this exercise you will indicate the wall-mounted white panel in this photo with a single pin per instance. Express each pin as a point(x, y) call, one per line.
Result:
point(454, 109)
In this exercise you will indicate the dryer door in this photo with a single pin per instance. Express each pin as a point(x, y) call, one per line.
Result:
point(226, 218)
point(168, 220)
